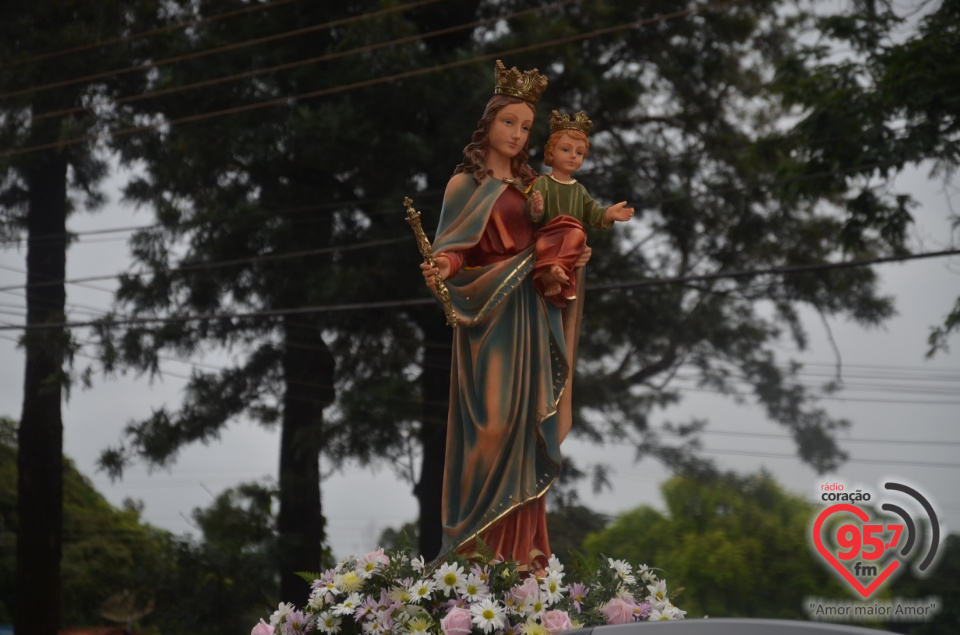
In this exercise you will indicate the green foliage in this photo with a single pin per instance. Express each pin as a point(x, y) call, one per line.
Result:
point(943, 582)
point(400, 539)
point(569, 526)
point(222, 583)
point(737, 545)
point(215, 586)
point(890, 104)
point(105, 550)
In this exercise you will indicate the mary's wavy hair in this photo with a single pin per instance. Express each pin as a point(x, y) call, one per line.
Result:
point(476, 151)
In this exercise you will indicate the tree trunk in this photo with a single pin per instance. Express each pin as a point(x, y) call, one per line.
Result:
point(435, 380)
point(40, 435)
point(308, 369)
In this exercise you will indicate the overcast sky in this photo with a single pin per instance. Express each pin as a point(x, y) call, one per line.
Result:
point(893, 394)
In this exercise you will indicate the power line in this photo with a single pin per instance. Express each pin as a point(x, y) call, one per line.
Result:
point(220, 49)
point(369, 82)
point(778, 455)
point(771, 271)
point(259, 211)
point(398, 303)
point(216, 264)
point(308, 61)
point(142, 34)
point(762, 435)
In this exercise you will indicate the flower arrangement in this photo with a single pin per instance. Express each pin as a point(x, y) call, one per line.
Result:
point(391, 593)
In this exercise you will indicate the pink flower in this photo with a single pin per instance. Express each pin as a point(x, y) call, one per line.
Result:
point(556, 622)
point(456, 622)
point(262, 629)
point(529, 589)
point(618, 611)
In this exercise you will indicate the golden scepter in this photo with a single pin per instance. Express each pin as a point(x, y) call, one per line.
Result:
point(426, 250)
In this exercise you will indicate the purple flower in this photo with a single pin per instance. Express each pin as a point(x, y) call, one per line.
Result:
point(366, 610)
point(456, 602)
point(642, 611)
point(296, 623)
point(578, 594)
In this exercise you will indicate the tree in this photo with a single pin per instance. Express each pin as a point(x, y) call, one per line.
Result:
point(106, 550)
point(736, 545)
point(276, 193)
point(44, 176)
point(223, 582)
point(888, 104)
point(943, 582)
point(215, 585)
point(235, 197)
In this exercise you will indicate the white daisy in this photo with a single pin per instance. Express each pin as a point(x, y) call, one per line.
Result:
point(418, 564)
point(283, 609)
point(349, 605)
point(675, 613)
point(623, 569)
point(488, 615)
point(473, 588)
point(554, 566)
point(645, 573)
point(534, 607)
point(448, 576)
point(421, 590)
point(317, 599)
point(658, 591)
point(328, 623)
point(370, 562)
point(552, 588)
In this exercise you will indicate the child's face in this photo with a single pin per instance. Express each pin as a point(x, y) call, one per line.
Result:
point(569, 153)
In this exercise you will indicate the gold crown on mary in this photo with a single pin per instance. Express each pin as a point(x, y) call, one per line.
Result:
point(527, 85)
point(579, 121)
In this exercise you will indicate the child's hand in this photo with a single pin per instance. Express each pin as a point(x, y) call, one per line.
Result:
point(536, 206)
point(619, 212)
point(584, 257)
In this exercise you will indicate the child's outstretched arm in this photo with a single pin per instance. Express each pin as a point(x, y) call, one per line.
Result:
point(619, 212)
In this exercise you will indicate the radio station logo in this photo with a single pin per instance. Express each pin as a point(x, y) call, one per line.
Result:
point(867, 546)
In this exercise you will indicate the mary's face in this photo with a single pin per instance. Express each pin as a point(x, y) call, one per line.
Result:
point(510, 130)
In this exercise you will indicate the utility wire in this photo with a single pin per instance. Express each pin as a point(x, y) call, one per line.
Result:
point(418, 302)
point(785, 270)
point(287, 99)
point(220, 49)
point(142, 34)
point(779, 455)
point(216, 264)
point(762, 435)
point(598, 287)
point(360, 50)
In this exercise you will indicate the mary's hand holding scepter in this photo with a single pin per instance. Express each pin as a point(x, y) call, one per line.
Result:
point(426, 250)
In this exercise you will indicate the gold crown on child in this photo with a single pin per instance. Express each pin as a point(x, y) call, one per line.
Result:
point(580, 122)
point(527, 85)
